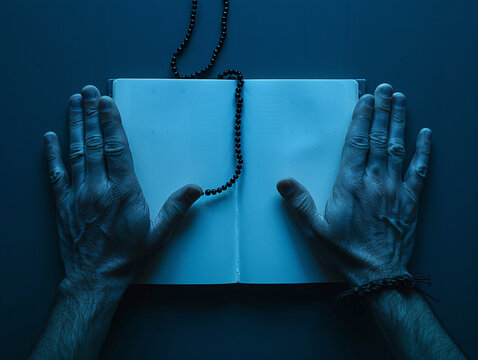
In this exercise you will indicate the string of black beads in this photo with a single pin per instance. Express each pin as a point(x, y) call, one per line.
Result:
point(227, 74)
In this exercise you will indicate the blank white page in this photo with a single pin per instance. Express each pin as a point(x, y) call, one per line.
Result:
point(290, 128)
point(180, 132)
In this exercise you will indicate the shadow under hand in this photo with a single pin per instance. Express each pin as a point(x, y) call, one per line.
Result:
point(306, 244)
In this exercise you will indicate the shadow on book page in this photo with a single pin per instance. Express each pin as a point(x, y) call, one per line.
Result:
point(181, 131)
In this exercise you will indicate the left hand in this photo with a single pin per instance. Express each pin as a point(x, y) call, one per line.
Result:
point(106, 235)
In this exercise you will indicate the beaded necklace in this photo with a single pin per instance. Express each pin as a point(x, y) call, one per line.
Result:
point(227, 74)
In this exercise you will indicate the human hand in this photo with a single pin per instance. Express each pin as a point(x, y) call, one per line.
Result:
point(106, 235)
point(366, 231)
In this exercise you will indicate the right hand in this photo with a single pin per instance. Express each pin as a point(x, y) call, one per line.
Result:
point(367, 228)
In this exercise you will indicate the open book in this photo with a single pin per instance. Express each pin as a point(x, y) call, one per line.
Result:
point(181, 131)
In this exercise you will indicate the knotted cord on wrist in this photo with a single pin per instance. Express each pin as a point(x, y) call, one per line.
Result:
point(404, 281)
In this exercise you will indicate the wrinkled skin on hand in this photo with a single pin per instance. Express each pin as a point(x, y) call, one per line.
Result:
point(366, 231)
point(106, 235)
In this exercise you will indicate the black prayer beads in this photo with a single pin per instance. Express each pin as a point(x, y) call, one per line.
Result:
point(228, 74)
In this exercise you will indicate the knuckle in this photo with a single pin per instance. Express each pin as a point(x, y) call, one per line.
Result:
point(50, 155)
point(94, 143)
point(359, 142)
point(376, 172)
point(77, 153)
point(378, 139)
point(76, 121)
point(426, 150)
point(56, 176)
point(383, 106)
point(301, 203)
point(421, 171)
point(114, 148)
point(398, 119)
point(106, 120)
point(396, 150)
point(91, 112)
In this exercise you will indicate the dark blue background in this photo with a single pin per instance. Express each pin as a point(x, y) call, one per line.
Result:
point(426, 49)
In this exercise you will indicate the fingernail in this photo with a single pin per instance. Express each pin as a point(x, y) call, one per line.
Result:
point(75, 102)
point(47, 137)
point(400, 100)
point(369, 100)
point(193, 193)
point(105, 105)
point(387, 91)
point(285, 187)
point(89, 93)
point(427, 133)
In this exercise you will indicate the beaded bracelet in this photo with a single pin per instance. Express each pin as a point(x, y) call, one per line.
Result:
point(405, 281)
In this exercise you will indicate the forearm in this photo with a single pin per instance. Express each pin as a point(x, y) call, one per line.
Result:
point(78, 322)
point(410, 327)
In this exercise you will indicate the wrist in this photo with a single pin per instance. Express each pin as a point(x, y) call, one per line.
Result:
point(79, 320)
point(388, 300)
point(358, 278)
point(81, 288)
point(87, 279)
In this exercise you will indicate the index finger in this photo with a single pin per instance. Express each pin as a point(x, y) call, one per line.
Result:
point(354, 154)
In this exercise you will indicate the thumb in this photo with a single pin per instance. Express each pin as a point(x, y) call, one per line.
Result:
point(174, 210)
point(299, 199)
